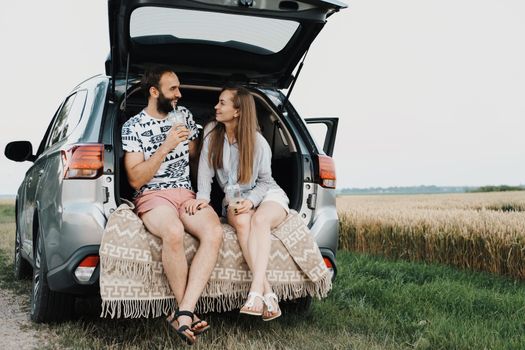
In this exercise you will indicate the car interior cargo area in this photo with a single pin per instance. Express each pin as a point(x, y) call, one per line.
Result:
point(286, 160)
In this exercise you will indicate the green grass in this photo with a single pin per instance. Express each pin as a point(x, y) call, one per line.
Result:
point(7, 212)
point(417, 304)
point(375, 304)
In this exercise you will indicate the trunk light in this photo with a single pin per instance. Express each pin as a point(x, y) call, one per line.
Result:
point(329, 265)
point(90, 261)
point(326, 171)
point(83, 161)
point(85, 269)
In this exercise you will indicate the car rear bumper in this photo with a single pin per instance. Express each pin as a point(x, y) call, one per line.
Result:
point(62, 278)
point(330, 255)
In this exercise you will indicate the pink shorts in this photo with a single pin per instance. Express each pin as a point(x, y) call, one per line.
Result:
point(172, 197)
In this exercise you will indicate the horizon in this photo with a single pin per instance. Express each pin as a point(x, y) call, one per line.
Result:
point(10, 195)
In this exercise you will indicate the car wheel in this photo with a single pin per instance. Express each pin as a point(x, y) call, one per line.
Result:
point(22, 268)
point(298, 306)
point(47, 305)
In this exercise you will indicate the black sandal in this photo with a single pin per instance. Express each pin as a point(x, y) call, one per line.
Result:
point(200, 330)
point(181, 331)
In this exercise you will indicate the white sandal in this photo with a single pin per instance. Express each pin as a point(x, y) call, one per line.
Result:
point(250, 302)
point(268, 299)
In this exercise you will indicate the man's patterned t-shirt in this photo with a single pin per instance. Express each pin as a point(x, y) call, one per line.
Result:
point(143, 133)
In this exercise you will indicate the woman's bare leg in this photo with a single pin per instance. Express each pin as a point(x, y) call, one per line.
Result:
point(242, 223)
point(267, 216)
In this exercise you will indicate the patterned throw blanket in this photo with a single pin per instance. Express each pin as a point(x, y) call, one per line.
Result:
point(133, 284)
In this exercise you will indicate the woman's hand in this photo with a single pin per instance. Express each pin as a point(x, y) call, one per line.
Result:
point(241, 207)
point(192, 205)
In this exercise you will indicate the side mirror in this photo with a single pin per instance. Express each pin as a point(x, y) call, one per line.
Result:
point(19, 151)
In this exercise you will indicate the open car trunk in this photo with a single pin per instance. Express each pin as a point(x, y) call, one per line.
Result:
point(215, 41)
point(200, 100)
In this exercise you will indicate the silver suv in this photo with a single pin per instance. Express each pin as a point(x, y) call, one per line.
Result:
point(77, 179)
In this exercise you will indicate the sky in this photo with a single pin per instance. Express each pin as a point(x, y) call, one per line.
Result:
point(428, 92)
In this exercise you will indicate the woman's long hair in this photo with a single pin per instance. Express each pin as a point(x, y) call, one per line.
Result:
point(245, 134)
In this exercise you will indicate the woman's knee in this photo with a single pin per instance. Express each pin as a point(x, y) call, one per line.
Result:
point(241, 223)
point(260, 221)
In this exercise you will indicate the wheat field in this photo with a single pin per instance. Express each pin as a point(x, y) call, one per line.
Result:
point(479, 231)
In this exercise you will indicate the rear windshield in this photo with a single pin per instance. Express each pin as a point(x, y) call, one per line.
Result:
point(254, 34)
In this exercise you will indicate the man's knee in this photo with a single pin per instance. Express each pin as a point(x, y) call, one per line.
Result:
point(215, 236)
point(212, 238)
point(174, 234)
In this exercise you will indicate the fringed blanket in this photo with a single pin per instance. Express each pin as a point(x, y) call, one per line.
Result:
point(133, 284)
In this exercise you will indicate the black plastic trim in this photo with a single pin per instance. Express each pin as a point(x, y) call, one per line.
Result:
point(62, 278)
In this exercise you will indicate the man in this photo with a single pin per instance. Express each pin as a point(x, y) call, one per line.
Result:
point(156, 160)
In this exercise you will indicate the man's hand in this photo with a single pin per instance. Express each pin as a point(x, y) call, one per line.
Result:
point(192, 205)
point(176, 135)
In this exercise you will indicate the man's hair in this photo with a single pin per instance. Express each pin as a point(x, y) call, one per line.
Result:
point(152, 77)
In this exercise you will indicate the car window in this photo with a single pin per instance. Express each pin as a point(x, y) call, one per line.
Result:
point(43, 142)
point(318, 133)
point(67, 118)
point(248, 33)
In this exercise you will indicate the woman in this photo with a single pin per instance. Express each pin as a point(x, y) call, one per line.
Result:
point(238, 155)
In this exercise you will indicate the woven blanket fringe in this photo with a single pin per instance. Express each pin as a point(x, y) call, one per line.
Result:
point(289, 291)
point(217, 297)
point(137, 308)
point(140, 270)
point(235, 296)
point(144, 272)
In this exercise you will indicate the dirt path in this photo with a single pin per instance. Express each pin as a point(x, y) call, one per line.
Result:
point(16, 330)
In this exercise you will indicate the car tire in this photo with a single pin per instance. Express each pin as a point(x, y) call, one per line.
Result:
point(22, 267)
point(298, 306)
point(47, 305)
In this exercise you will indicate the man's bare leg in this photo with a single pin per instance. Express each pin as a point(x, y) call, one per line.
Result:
point(164, 223)
point(206, 227)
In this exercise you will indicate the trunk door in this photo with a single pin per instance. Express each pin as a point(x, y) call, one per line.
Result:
point(246, 41)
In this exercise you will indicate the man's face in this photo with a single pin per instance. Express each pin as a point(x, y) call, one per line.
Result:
point(168, 92)
point(164, 104)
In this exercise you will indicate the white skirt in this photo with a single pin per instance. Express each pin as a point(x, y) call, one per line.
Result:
point(274, 195)
point(279, 196)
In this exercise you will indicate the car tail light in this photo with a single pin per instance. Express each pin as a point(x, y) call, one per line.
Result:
point(85, 269)
point(326, 171)
point(329, 265)
point(83, 161)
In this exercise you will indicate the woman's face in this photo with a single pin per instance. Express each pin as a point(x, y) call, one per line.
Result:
point(225, 112)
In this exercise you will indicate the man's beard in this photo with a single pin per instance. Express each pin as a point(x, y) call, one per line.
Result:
point(164, 105)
